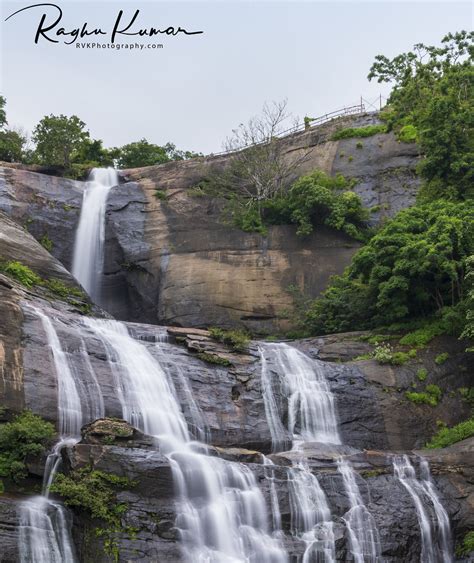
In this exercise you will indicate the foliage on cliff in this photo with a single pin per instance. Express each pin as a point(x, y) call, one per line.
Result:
point(26, 435)
point(433, 94)
point(415, 266)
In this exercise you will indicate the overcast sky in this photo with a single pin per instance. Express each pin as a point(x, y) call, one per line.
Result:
point(198, 87)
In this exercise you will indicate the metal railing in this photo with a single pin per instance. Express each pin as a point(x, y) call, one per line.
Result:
point(309, 123)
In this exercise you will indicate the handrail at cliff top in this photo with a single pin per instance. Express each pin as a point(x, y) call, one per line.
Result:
point(314, 122)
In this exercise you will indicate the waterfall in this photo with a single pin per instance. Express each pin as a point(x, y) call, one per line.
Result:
point(364, 537)
point(222, 515)
point(45, 525)
point(311, 409)
point(435, 541)
point(88, 256)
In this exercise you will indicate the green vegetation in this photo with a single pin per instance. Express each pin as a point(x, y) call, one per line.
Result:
point(238, 340)
point(447, 436)
point(423, 335)
point(384, 354)
point(161, 194)
point(413, 267)
point(422, 374)
point(62, 290)
point(26, 435)
point(213, 359)
point(467, 545)
point(46, 242)
point(359, 145)
point(20, 273)
point(441, 358)
point(366, 131)
point(95, 493)
point(433, 102)
point(431, 396)
point(408, 134)
point(468, 330)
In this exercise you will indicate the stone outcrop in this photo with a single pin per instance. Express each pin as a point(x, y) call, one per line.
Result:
point(176, 262)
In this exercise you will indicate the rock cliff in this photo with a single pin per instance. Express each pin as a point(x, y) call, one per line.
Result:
point(174, 262)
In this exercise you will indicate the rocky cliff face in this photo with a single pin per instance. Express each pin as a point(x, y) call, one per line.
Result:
point(174, 262)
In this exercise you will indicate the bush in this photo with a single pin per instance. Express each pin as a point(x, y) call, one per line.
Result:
point(46, 242)
point(214, 359)
point(27, 434)
point(447, 436)
point(95, 492)
point(422, 374)
point(367, 131)
point(238, 340)
point(467, 545)
point(441, 358)
point(161, 194)
point(431, 396)
point(21, 273)
point(408, 134)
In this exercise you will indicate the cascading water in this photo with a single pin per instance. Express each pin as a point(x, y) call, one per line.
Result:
point(45, 525)
point(436, 543)
point(222, 516)
point(311, 409)
point(364, 537)
point(88, 257)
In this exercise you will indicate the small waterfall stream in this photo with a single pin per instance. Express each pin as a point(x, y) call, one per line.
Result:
point(88, 256)
point(363, 534)
point(436, 543)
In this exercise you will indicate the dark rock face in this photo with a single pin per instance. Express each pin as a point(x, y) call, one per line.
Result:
point(175, 262)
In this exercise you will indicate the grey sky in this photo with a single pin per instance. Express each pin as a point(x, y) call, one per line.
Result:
point(196, 89)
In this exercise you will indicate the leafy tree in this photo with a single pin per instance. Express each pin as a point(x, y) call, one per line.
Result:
point(141, 153)
point(318, 199)
point(25, 435)
point(93, 152)
point(468, 331)
point(57, 138)
point(434, 93)
point(413, 267)
point(11, 145)
point(3, 115)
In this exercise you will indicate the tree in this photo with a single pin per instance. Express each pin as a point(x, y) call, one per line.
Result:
point(3, 115)
point(141, 153)
point(413, 267)
point(258, 167)
point(57, 138)
point(11, 145)
point(93, 153)
point(433, 94)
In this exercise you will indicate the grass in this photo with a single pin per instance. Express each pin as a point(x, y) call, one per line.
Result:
point(21, 273)
point(46, 242)
point(422, 374)
point(448, 436)
point(441, 358)
point(467, 545)
point(367, 131)
point(161, 194)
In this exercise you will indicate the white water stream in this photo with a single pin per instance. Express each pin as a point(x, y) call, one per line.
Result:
point(88, 257)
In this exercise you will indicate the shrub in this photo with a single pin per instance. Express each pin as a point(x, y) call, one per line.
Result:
point(422, 374)
point(408, 134)
point(214, 359)
point(359, 145)
point(367, 131)
point(62, 290)
point(161, 194)
point(238, 340)
point(441, 358)
point(27, 434)
point(467, 545)
point(46, 242)
point(431, 396)
point(95, 492)
point(21, 273)
point(383, 354)
point(447, 436)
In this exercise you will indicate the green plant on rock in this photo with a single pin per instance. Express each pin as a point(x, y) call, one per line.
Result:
point(20, 273)
point(237, 339)
point(62, 290)
point(408, 134)
point(467, 545)
point(431, 396)
point(26, 435)
point(441, 358)
point(214, 359)
point(447, 436)
point(367, 131)
point(422, 374)
point(95, 493)
point(161, 194)
point(46, 242)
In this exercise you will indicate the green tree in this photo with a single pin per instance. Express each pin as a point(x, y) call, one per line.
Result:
point(469, 283)
point(414, 267)
point(434, 94)
point(3, 115)
point(57, 138)
point(11, 146)
point(92, 152)
point(141, 153)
